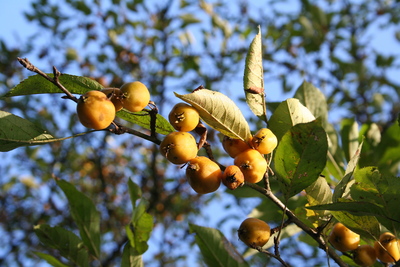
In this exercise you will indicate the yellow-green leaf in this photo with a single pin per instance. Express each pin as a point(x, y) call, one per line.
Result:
point(253, 79)
point(288, 114)
point(219, 112)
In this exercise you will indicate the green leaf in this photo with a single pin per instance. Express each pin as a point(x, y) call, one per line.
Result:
point(349, 134)
point(370, 134)
point(130, 258)
point(389, 150)
point(37, 84)
point(139, 232)
point(253, 78)
point(16, 131)
point(215, 248)
point(359, 216)
point(85, 215)
point(300, 157)
point(342, 189)
point(50, 259)
point(380, 190)
point(67, 243)
point(319, 192)
point(135, 192)
point(311, 97)
point(143, 119)
point(358, 208)
point(289, 113)
point(219, 112)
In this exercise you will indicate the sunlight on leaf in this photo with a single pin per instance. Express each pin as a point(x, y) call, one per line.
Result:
point(289, 113)
point(300, 157)
point(253, 79)
point(143, 119)
point(349, 134)
point(311, 97)
point(37, 84)
point(370, 185)
point(219, 112)
point(319, 192)
point(16, 131)
point(342, 189)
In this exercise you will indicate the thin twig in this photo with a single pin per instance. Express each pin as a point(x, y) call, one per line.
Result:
point(153, 118)
point(277, 257)
point(54, 80)
point(120, 129)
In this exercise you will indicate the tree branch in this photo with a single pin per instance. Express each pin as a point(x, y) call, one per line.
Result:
point(311, 232)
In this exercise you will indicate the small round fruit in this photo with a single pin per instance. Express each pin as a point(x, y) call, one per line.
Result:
point(254, 232)
point(136, 96)
point(364, 255)
point(95, 110)
point(392, 246)
point(203, 174)
point(264, 141)
point(115, 95)
point(184, 117)
point(179, 147)
point(343, 239)
point(234, 146)
point(232, 177)
point(252, 164)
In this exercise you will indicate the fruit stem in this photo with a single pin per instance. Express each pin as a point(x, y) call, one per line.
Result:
point(153, 118)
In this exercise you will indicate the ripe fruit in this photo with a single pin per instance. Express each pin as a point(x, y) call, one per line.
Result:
point(115, 95)
point(95, 110)
point(392, 246)
point(232, 177)
point(136, 96)
point(364, 255)
point(343, 239)
point(252, 164)
point(234, 146)
point(264, 141)
point(203, 174)
point(184, 117)
point(179, 147)
point(254, 232)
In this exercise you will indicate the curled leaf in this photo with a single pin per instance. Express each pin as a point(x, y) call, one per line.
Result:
point(253, 79)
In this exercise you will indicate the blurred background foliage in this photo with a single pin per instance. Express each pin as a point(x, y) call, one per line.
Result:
point(177, 45)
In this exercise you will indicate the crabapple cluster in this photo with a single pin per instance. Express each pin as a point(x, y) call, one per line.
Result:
point(97, 109)
point(205, 175)
point(386, 249)
point(180, 147)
